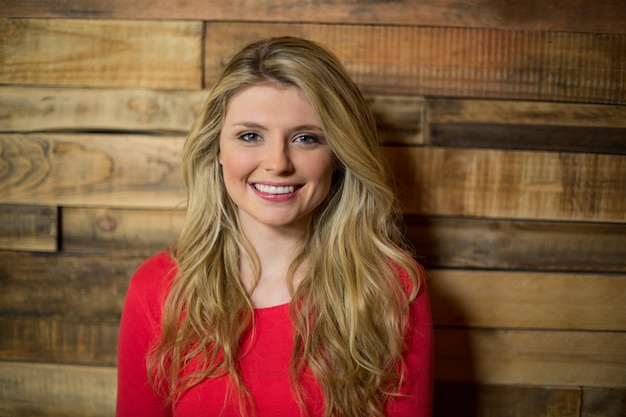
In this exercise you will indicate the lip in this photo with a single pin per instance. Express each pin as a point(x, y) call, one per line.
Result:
point(275, 197)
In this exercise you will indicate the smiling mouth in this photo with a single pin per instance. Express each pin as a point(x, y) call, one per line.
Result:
point(271, 189)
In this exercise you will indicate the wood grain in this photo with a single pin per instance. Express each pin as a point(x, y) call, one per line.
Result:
point(102, 230)
point(56, 390)
point(106, 170)
point(601, 16)
point(57, 341)
point(440, 242)
point(101, 53)
point(504, 299)
point(71, 390)
point(77, 289)
point(603, 402)
point(434, 61)
point(140, 171)
point(527, 125)
point(451, 111)
point(510, 184)
point(31, 228)
point(457, 400)
point(33, 109)
point(531, 357)
point(450, 242)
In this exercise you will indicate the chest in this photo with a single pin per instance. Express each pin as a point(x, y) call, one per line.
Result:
point(265, 368)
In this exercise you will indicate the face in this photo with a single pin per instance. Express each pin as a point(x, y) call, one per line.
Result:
point(276, 163)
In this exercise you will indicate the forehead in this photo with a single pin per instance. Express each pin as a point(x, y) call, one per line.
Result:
point(271, 99)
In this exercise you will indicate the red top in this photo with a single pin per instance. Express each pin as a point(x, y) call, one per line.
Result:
point(265, 368)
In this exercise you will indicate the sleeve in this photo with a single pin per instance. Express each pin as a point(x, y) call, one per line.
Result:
point(416, 394)
point(139, 327)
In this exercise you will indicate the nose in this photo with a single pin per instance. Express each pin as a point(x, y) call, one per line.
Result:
point(277, 158)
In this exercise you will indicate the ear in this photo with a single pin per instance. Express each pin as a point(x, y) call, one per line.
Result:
point(219, 158)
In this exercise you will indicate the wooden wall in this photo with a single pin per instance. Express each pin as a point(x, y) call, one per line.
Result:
point(505, 125)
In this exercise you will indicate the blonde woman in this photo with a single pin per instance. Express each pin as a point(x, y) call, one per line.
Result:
point(289, 291)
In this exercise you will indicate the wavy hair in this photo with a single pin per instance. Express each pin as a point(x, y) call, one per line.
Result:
point(350, 311)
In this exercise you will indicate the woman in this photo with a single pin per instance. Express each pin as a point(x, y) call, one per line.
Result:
point(289, 291)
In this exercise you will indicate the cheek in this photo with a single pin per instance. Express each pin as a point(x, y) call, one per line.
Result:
point(233, 164)
point(322, 169)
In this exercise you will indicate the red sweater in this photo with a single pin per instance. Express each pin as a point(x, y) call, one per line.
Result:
point(265, 368)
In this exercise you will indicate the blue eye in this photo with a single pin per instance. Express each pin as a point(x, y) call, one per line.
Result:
point(249, 137)
point(307, 139)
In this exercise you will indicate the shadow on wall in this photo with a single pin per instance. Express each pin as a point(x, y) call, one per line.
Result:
point(454, 393)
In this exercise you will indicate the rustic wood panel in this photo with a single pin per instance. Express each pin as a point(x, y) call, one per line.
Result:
point(464, 400)
point(107, 170)
point(435, 61)
point(528, 300)
point(78, 289)
point(527, 125)
point(400, 118)
point(438, 241)
point(71, 390)
point(30, 228)
point(510, 184)
point(57, 341)
point(451, 111)
point(138, 171)
point(602, 16)
point(564, 138)
point(32, 109)
point(38, 390)
point(603, 402)
point(450, 242)
point(101, 53)
point(531, 357)
point(119, 230)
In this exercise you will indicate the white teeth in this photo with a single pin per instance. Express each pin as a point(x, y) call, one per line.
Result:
point(270, 189)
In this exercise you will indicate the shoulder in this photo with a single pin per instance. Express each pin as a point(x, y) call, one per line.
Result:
point(151, 281)
point(155, 271)
point(412, 276)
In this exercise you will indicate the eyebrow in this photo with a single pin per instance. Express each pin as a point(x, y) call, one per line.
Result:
point(253, 125)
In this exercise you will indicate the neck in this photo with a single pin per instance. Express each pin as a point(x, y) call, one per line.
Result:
point(276, 249)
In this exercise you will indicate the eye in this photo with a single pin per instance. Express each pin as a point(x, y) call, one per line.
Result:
point(307, 139)
point(249, 137)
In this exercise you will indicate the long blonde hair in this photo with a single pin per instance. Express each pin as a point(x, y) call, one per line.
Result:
point(350, 311)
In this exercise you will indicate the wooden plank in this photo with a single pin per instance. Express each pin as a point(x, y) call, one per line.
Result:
point(510, 184)
point(138, 171)
point(439, 242)
point(457, 400)
point(101, 230)
point(92, 170)
point(528, 300)
point(435, 61)
point(603, 16)
point(531, 357)
point(30, 340)
point(76, 390)
point(450, 111)
point(57, 390)
point(603, 402)
point(527, 125)
point(564, 138)
point(30, 228)
point(450, 242)
point(101, 53)
point(400, 118)
point(78, 289)
point(32, 109)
